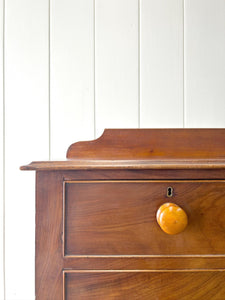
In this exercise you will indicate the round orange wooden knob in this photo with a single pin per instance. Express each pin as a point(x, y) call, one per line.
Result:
point(171, 218)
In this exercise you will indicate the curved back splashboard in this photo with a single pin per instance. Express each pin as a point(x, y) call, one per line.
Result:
point(129, 144)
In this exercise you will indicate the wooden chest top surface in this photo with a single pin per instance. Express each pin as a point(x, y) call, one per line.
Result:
point(97, 235)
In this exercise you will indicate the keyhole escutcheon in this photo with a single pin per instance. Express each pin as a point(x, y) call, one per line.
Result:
point(169, 191)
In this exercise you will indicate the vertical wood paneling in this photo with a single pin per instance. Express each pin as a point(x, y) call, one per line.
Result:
point(71, 81)
point(116, 73)
point(161, 63)
point(92, 77)
point(1, 156)
point(205, 63)
point(26, 117)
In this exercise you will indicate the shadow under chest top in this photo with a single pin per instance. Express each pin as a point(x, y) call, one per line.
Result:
point(134, 214)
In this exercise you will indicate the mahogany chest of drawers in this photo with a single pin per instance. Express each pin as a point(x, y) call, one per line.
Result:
point(135, 214)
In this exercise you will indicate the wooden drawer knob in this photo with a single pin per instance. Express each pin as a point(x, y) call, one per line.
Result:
point(171, 218)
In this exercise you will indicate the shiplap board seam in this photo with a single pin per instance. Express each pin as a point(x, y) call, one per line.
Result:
point(116, 64)
point(94, 70)
point(3, 146)
point(184, 102)
point(71, 68)
point(204, 63)
point(139, 65)
point(26, 135)
point(94, 85)
point(49, 79)
point(161, 63)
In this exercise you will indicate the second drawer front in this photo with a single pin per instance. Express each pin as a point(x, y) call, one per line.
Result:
point(103, 285)
point(119, 218)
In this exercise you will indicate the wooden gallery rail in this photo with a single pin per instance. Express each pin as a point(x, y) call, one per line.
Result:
point(134, 214)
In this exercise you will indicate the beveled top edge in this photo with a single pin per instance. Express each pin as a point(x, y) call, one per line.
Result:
point(125, 164)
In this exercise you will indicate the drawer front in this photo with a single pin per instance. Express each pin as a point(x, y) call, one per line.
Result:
point(119, 218)
point(144, 285)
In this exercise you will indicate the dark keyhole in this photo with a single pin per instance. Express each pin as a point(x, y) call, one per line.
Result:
point(169, 192)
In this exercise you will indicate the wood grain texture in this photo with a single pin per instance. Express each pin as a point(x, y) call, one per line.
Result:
point(128, 165)
point(97, 235)
point(144, 174)
point(70, 175)
point(204, 61)
point(165, 149)
point(72, 74)
point(48, 263)
point(143, 262)
point(119, 218)
point(152, 144)
point(161, 63)
point(144, 285)
point(116, 64)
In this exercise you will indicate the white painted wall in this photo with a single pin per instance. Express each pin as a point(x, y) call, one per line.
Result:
point(70, 68)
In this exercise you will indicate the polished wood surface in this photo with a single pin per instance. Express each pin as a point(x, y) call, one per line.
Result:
point(143, 174)
point(144, 285)
point(48, 253)
point(156, 144)
point(167, 164)
point(171, 218)
point(143, 262)
point(144, 149)
point(97, 235)
point(119, 217)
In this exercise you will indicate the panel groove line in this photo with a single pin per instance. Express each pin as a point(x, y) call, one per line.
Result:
point(161, 63)
point(49, 79)
point(116, 64)
point(204, 63)
point(183, 65)
point(26, 135)
point(94, 75)
point(72, 74)
point(139, 65)
point(2, 156)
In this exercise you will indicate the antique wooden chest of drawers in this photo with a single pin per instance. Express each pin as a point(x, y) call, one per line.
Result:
point(135, 214)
